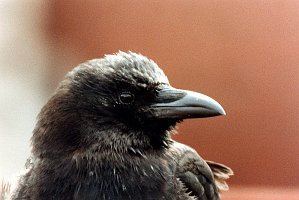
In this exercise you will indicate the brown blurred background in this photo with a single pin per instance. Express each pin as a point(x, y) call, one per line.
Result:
point(244, 54)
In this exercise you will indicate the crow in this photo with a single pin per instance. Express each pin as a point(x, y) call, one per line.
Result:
point(105, 135)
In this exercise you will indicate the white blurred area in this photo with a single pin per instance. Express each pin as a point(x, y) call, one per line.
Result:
point(24, 62)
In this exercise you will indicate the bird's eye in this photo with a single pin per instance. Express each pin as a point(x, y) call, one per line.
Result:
point(126, 98)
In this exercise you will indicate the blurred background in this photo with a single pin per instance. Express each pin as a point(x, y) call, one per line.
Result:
point(244, 54)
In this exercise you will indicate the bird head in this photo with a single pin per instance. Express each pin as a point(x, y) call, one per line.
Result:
point(120, 96)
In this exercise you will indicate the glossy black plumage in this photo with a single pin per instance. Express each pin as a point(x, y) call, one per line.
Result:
point(105, 134)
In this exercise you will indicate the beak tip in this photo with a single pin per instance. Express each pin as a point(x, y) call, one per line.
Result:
point(223, 112)
point(220, 110)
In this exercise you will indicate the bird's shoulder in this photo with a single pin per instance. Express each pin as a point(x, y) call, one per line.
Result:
point(188, 159)
point(202, 179)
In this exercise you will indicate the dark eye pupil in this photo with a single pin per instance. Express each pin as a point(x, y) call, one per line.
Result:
point(126, 98)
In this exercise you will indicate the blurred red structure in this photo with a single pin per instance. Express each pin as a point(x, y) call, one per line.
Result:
point(262, 193)
point(242, 53)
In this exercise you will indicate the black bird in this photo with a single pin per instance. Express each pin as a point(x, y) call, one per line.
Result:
point(105, 134)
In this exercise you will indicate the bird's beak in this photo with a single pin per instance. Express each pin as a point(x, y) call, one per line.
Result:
point(174, 103)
